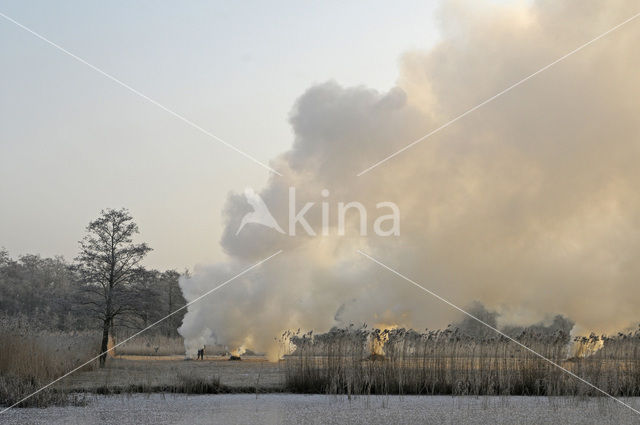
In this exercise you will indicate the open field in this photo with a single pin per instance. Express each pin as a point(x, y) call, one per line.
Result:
point(318, 409)
point(151, 345)
point(153, 373)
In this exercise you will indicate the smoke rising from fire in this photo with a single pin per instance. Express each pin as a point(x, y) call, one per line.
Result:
point(529, 205)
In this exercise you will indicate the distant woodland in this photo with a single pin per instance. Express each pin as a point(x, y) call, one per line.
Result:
point(57, 295)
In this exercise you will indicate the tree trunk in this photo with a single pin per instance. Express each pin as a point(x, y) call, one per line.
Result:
point(170, 321)
point(105, 343)
point(106, 325)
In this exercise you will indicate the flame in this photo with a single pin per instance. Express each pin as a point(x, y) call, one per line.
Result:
point(588, 346)
point(239, 351)
point(385, 326)
point(241, 346)
point(110, 344)
point(377, 344)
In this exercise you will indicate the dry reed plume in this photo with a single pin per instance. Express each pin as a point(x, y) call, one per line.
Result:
point(401, 361)
point(30, 359)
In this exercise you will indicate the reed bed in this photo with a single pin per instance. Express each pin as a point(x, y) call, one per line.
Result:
point(30, 359)
point(400, 361)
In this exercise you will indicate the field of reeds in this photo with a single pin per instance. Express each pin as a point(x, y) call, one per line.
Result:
point(399, 361)
point(31, 358)
point(351, 361)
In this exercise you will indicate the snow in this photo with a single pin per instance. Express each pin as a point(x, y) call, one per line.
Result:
point(321, 409)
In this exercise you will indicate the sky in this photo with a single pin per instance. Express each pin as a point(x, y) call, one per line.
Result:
point(528, 205)
point(73, 142)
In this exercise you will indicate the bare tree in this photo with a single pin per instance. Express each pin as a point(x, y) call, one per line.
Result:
point(109, 265)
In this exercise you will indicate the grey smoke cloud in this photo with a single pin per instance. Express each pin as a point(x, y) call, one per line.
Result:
point(529, 205)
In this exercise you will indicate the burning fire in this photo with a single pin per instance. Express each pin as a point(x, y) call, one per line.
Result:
point(239, 351)
point(587, 346)
point(377, 343)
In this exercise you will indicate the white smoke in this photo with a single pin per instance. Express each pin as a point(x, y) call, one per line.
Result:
point(528, 205)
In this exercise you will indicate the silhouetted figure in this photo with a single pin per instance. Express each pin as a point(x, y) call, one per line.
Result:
point(201, 353)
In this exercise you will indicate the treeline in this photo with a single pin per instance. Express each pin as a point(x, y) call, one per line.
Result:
point(54, 314)
point(49, 294)
point(40, 291)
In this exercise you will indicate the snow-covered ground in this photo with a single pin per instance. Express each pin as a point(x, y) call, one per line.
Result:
point(296, 409)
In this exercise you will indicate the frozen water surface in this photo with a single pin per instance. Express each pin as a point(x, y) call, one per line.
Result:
point(296, 409)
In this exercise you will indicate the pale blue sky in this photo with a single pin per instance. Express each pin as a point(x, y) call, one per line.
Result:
point(73, 142)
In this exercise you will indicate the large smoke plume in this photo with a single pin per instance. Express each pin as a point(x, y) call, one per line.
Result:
point(529, 205)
